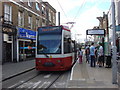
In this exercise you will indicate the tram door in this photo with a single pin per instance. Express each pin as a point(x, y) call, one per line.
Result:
point(7, 52)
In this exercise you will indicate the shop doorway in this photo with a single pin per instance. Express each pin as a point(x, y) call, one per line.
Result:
point(7, 52)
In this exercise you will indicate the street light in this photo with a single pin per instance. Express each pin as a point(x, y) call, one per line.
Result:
point(114, 49)
point(1, 39)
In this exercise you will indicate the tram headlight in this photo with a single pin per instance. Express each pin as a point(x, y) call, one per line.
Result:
point(39, 61)
point(58, 61)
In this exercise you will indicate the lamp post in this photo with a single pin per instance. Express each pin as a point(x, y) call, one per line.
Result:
point(1, 40)
point(114, 63)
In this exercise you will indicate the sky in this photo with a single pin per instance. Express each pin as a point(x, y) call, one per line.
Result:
point(82, 12)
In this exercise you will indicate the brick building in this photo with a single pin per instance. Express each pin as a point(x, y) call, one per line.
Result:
point(19, 25)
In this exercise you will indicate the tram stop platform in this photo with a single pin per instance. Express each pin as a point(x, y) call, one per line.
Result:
point(86, 77)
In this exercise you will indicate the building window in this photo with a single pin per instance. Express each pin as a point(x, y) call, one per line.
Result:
point(7, 14)
point(50, 15)
point(21, 0)
point(43, 9)
point(30, 22)
point(43, 22)
point(54, 18)
point(30, 3)
point(20, 18)
point(37, 23)
point(37, 6)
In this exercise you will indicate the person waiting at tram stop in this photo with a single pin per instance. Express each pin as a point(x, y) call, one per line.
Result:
point(92, 55)
point(80, 55)
point(96, 55)
point(100, 55)
point(87, 53)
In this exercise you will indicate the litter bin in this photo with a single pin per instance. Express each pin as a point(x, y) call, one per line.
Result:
point(108, 61)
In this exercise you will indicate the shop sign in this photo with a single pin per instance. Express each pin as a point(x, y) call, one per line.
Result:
point(26, 34)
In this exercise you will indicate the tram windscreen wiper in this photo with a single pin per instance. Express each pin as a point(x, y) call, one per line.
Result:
point(45, 54)
point(42, 47)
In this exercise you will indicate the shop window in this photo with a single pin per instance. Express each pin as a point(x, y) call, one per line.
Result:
point(26, 50)
point(21, 45)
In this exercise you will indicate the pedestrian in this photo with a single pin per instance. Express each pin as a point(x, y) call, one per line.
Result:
point(87, 53)
point(100, 55)
point(80, 55)
point(96, 55)
point(92, 55)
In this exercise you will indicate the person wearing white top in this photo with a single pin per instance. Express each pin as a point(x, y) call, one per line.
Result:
point(80, 55)
point(100, 55)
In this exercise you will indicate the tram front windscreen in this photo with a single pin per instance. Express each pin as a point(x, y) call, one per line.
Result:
point(49, 40)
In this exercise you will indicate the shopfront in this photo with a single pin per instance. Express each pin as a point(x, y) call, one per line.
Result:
point(8, 43)
point(26, 44)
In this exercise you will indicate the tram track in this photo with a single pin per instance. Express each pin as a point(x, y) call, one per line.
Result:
point(44, 80)
point(52, 83)
point(31, 79)
point(19, 79)
point(16, 86)
point(12, 76)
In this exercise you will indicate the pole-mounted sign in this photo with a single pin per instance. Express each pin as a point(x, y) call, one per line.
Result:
point(95, 32)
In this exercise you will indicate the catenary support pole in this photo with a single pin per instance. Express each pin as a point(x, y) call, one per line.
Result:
point(1, 44)
point(58, 18)
point(114, 63)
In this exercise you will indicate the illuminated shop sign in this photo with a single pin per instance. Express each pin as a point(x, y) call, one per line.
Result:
point(27, 47)
point(27, 34)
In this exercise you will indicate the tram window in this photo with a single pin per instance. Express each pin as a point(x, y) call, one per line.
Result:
point(67, 45)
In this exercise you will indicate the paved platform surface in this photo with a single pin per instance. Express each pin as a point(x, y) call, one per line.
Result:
point(84, 76)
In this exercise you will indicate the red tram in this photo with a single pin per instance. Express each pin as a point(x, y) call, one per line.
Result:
point(55, 50)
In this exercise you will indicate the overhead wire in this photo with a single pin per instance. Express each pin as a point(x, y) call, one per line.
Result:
point(62, 8)
point(76, 15)
point(83, 4)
